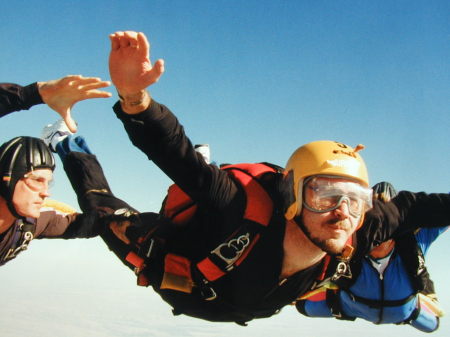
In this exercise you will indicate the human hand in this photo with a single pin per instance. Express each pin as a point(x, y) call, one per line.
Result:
point(119, 229)
point(63, 93)
point(129, 63)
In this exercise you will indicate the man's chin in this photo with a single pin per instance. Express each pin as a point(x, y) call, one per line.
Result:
point(30, 213)
point(331, 246)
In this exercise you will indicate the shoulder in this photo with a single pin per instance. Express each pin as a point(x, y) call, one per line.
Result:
point(57, 206)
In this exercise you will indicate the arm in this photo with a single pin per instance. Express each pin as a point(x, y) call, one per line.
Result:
point(60, 95)
point(315, 304)
point(53, 224)
point(426, 236)
point(89, 183)
point(154, 129)
point(406, 212)
point(131, 70)
point(158, 133)
point(14, 97)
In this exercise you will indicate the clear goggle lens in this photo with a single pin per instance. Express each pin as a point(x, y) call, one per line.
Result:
point(37, 183)
point(324, 194)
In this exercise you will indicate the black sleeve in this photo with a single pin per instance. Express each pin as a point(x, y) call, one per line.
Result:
point(158, 133)
point(14, 97)
point(89, 183)
point(94, 196)
point(405, 213)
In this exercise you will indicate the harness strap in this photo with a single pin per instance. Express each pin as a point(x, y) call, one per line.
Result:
point(178, 206)
point(321, 283)
point(23, 234)
point(257, 215)
point(177, 273)
point(379, 304)
point(334, 303)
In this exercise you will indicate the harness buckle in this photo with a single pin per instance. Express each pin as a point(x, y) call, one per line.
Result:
point(208, 293)
point(13, 252)
point(342, 270)
point(149, 251)
point(231, 251)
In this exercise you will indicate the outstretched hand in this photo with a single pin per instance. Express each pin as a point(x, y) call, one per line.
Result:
point(129, 63)
point(62, 94)
point(119, 228)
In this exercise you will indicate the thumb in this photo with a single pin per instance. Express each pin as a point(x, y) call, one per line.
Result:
point(159, 66)
point(156, 71)
point(71, 124)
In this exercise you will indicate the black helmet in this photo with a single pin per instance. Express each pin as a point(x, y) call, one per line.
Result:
point(384, 191)
point(19, 156)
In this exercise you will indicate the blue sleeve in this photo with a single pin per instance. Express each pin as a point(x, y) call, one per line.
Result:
point(426, 236)
point(315, 305)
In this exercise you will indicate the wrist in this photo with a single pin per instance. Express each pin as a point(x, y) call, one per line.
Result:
point(133, 103)
point(31, 94)
point(41, 89)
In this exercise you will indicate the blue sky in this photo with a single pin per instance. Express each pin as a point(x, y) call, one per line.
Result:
point(255, 80)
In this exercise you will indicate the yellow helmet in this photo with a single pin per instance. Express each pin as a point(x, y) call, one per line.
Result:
point(324, 157)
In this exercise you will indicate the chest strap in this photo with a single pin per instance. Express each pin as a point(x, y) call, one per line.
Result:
point(257, 215)
point(23, 233)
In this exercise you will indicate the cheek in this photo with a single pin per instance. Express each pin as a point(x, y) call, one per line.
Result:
point(355, 222)
point(312, 221)
point(23, 207)
point(313, 217)
point(23, 203)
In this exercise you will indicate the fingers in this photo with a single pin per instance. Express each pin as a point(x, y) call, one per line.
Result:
point(61, 95)
point(70, 78)
point(91, 80)
point(119, 230)
point(76, 81)
point(88, 85)
point(97, 94)
point(142, 43)
point(114, 42)
point(121, 40)
point(129, 39)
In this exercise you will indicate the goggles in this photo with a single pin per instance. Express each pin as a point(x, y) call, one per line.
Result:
point(37, 183)
point(323, 194)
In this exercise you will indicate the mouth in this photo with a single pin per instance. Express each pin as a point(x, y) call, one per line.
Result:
point(338, 225)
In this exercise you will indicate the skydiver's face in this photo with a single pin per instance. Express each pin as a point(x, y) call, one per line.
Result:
point(31, 191)
point(332, 213)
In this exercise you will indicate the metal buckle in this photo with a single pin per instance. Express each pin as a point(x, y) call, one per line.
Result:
point(208, 293)
point(233, 249)
point(342, 270)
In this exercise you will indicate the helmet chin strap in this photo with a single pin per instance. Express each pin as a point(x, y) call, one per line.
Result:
point(9, 202)
point(299, 222)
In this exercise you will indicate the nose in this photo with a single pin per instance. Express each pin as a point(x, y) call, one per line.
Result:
point(44, 193)
point(342, 212)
